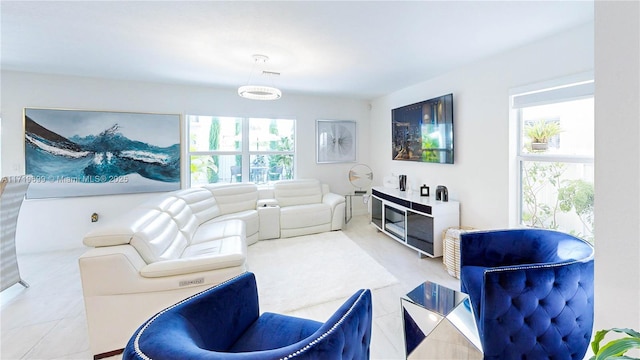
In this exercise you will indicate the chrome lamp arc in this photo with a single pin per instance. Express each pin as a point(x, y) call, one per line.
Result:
point(260, 92)
point(361, 177)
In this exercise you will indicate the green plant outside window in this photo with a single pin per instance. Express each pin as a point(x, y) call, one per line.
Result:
point(228, 149)
point(555, 158)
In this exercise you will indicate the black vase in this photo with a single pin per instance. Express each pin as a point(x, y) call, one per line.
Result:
point(442, 194)
point(403, 182)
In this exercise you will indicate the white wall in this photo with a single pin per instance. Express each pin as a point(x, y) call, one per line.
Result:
point(483, 164)
point(617, 192)
point(60, 223)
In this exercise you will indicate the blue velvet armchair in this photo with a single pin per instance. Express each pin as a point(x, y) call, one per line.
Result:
point(531, 291)
point(224, 323)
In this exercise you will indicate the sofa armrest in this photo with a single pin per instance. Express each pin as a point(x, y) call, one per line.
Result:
point(332, 200)
point(267, 203)
point(122, 263)
point(336, 203)
point(124, 266)
point(191, 265)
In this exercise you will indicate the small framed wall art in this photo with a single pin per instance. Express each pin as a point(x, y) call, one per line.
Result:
point(86, 153)
point(335, 141)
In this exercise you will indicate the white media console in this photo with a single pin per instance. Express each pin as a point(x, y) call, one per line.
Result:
point(414, 220)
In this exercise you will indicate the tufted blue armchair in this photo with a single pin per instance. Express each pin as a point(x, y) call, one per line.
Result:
point(223, 322)
point(531, 291)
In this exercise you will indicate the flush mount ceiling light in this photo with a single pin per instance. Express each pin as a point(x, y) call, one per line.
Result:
point(260, 92)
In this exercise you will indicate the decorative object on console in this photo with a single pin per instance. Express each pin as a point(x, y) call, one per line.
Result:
point(402, 182)
point(225, 322)
point(423, 131)
point(361, 177)
point(531, 291)
point(87, 153)
point(335, 141)
point(260, 92)
point(442, 194)
point(424, 190)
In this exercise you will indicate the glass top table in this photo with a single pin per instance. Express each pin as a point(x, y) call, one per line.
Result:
point(348, 211)
point(438, 323)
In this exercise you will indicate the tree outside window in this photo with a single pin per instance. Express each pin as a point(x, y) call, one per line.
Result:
point(556, 147)
point(228, 149)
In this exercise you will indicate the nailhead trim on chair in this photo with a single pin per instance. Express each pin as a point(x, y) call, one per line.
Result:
point(333, 328)
point(146, 325)
point(542, 266)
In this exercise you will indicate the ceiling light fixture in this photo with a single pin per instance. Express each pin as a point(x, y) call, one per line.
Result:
point(260, 92)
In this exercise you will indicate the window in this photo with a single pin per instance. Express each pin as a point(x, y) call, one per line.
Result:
point(230, 149)
point(555, 158)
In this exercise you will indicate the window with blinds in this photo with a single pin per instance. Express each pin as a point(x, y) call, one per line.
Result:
point(555, 157)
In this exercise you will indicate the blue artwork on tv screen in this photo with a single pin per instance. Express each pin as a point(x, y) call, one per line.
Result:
point(424, 131)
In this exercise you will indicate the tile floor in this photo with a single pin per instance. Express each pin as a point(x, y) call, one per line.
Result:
point(47, 321)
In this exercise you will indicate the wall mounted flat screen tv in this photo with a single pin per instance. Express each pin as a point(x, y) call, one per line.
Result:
point(424, 131)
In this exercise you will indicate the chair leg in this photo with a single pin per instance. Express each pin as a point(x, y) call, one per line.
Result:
point(108, 354)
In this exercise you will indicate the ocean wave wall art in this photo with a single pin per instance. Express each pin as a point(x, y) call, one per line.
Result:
point(88, 153)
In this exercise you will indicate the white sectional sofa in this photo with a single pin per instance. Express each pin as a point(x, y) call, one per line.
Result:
point(179, 243)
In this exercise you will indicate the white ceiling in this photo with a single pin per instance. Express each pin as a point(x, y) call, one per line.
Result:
point(360, 49)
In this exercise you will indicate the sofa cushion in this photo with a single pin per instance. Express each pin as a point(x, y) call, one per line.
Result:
point(213, 230)
point(297, 192)
point(211, 255)
point(273, 331)
point(234, 198)
point(179, 211)
point(201, 203)
point(304, 216)
point(158, 238)
point(250, 217)
point(227, 245)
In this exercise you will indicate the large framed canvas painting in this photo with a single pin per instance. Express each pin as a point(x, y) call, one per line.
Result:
point(88, 153)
